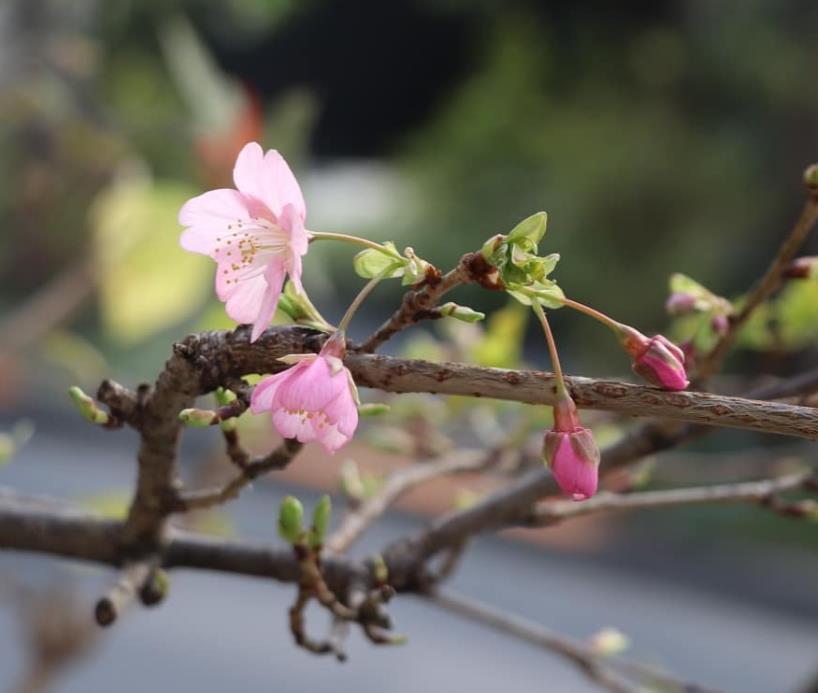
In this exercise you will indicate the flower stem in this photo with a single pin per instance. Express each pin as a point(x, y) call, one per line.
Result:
point(591, 312)
point(552, 347)
point(360, 298)
point(344, 238)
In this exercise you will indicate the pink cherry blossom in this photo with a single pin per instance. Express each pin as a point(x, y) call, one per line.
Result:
point(315, 400)
point(571, 452)
point(255, 234)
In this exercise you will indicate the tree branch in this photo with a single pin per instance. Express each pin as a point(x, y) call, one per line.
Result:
point(552, 511)
point(222, 355)
point(768, 283)
point(356, 522)
point(612, 673)
point(207, 498)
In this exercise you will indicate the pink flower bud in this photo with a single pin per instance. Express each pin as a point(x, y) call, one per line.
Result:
point(680, 303)
point(802, 268)
point(657, 360)
point(571, 453)
point(689, 351)
point(720, 324)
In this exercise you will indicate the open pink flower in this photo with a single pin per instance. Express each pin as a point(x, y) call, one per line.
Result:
point(571, 452)
point(256, 235)
point(316, 399)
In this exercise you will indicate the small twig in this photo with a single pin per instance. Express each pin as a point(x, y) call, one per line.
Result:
point(121, 595)
point(278, 459)
point(612, 673)
point(418, 304)
point(551, 511)
point(768, 283)
point(399, 482)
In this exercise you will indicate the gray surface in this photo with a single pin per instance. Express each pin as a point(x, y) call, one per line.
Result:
point(216, 632)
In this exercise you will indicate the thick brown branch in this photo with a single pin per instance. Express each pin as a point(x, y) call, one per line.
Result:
point(229, 354)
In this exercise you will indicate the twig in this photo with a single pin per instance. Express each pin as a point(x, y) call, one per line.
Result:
point(121, 595)
point(356, 522)
point(206, 498)
point(418, 303)
point(768, 283)
point(551, 511)
point(612, 673)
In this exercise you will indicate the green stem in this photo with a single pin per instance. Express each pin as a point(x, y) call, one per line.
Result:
point(344, 238)
point(552, 347)
point(360, 298)
point(591, 312)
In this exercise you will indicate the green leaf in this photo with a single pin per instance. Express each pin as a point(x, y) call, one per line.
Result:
point(147, 282)
point(547, 293)
point(704, 298)
point(529, 230)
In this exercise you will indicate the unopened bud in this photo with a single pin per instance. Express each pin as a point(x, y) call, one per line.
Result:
point(609, 642)
point(198, 418)
point(320, 521)
point(351, 483)
point(373, 409)
point(155, 589)
point(657, 360)
point(680, 303)
point(87, 407)
point(463, 313)
point(379, 569)
point(720, 324)
point(803, 268)
point(290, 520)
point(491, 245)
point(811, 177)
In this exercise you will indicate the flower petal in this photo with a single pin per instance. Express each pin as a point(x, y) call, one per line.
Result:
point(263, 397)
point(268, 178)
point(294, 424)
point(208, 216)
point(244, 300)
point(274, 277)
point(313, 389)
point(343, 412)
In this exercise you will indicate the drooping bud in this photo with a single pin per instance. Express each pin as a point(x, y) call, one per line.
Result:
point(290, 518)
point(88, 407)
point(680, 303)
point(656, 359)
point(198, 418)
point(571, 453)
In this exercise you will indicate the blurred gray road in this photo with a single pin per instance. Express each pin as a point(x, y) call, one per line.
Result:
point(217, 632)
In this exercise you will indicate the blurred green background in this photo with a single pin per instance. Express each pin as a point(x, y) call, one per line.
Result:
point(660, 136)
